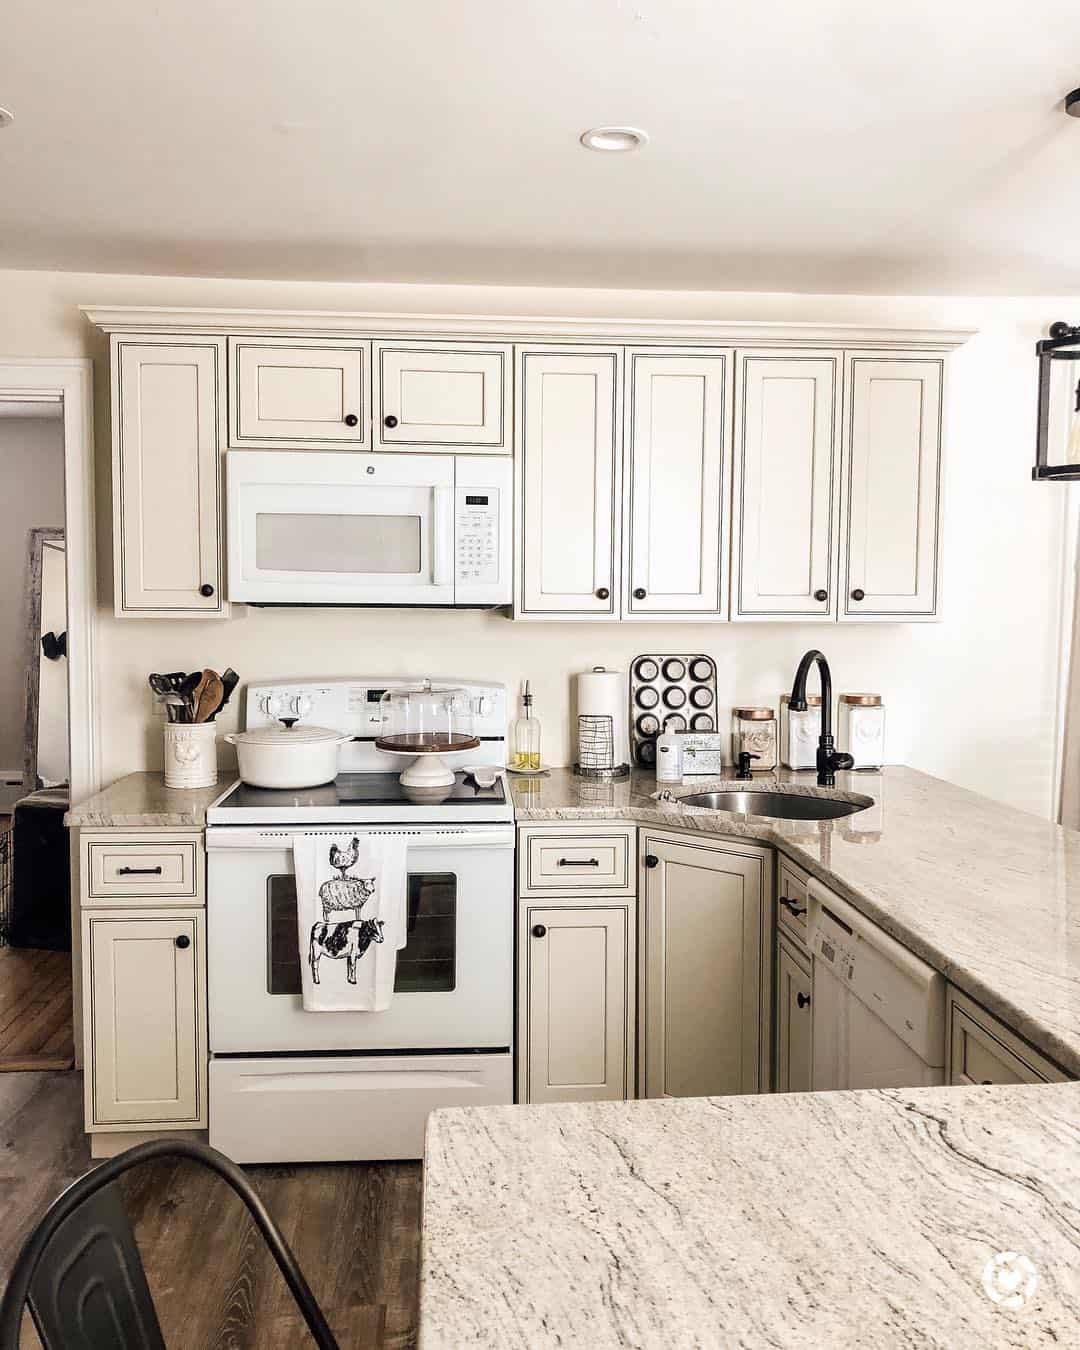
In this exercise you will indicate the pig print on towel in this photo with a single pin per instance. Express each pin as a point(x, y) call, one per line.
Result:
point(345, 892)
point(348, 940)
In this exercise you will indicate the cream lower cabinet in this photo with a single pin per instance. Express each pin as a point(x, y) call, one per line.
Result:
point(576, 993)
point(705, 944)
point(144, 1002)
point(981, 1049)
point(794, 1023)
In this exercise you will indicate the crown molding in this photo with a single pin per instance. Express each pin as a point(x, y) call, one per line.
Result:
point(344, 324)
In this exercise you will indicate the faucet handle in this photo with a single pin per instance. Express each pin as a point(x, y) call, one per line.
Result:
point(842, 760)
point(742, 773)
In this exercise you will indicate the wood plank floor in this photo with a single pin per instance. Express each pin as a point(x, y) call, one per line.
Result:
point(35, 1009)
point(355, 1230)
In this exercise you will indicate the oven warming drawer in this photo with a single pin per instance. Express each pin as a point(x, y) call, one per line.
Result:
point(344, 1108)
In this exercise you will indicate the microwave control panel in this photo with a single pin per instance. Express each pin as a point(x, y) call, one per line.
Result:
point(477, 535)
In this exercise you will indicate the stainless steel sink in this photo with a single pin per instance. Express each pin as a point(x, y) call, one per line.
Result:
point(779, 805)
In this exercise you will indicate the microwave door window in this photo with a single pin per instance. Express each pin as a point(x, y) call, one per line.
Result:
point(370, 545)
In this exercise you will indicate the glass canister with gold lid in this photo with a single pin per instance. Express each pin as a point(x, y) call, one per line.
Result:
point(753, 731)
point(860, 729)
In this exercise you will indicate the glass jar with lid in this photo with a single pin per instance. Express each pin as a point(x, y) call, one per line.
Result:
point(861, 729)
point(426, 722)
point(799, 733)
point(753, 731)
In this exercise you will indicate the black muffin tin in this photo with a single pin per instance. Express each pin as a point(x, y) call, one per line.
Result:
point(669, 693)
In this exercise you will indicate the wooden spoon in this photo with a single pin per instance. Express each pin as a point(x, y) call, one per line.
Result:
point(208, 695)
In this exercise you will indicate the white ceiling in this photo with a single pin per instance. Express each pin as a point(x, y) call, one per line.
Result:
point(835, 145)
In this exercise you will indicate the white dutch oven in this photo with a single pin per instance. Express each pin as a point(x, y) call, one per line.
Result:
point(288, 757)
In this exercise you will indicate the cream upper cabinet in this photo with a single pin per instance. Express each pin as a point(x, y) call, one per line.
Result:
point(891, 505)
point(786, 495)
point(433, 395)
point(168, 423)
point(677, 433)
point(299, 393)
point(144, 1008)
point(705, 943)
point(568, 470)
point(794, 1023)
point(576, 983)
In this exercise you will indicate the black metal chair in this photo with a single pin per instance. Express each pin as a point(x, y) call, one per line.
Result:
point(80, 1271)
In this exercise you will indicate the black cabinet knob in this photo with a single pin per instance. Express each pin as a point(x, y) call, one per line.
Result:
point(206, 589)
point(858, 594)
point(602, 593)
point(351, 419)
point(821, 595)
point(539, 930)
point(651, 860)
point(390, 421)
point(183, 941)
point(803, 1000)
point(639, 592)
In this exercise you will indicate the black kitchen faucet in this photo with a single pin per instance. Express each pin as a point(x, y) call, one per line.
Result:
point(829, 759)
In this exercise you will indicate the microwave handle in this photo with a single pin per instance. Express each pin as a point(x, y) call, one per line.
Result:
point(443, 542)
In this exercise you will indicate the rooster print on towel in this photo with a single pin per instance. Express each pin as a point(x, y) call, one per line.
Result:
point(347, 940)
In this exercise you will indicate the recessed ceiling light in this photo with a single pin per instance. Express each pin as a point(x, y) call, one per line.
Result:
point(6, 118)
point(614, 140)
point(1072, 103)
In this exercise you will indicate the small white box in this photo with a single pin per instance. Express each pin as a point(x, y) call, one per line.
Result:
point(702, 753)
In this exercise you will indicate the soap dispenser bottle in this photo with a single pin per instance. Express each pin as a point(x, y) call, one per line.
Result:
point(525, 737)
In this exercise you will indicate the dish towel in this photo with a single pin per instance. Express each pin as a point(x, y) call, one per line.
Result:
point(351, 912)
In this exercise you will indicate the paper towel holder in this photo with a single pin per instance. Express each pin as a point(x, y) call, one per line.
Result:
point(596, 745)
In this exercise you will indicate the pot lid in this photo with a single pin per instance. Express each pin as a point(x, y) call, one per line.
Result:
point(278, 733)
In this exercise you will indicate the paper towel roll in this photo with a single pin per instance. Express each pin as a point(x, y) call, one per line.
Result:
point(602, 693)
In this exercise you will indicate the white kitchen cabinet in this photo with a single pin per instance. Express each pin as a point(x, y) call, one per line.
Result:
point(704, 980)
point(786, 494)
point(299, 394)
point(794, 1023)
point(144, 1005)
point(168, 423)
point(983, 1050)
point(891, 494)
point(677, 433)
point(568, 429)
point(576, 987)
point(434, 395)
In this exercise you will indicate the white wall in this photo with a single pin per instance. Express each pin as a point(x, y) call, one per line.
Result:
point(31, 494)
point(972, 698)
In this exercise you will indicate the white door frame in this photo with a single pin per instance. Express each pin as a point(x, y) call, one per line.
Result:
point(71, 381)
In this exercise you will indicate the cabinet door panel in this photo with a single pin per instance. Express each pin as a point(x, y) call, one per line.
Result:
point(145, 1007)
point(300, 394)
point(787, 478)
point(578, 975)
point(435, 395)
point(678, 447)
point(569, 462)
point(167, 428)
point(703, 969)
point(892, 487)
point(794, 1024)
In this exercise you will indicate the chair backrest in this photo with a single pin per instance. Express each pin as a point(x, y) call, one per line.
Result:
point(81, 1274)
point(88, 1290)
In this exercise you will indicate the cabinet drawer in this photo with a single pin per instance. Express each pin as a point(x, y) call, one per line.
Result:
point(568, 861)
point(791, 883)
point(982, 1050)
point(142, 869)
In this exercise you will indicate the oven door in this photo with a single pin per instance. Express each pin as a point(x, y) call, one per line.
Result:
point(344, 528)
point(454, 982)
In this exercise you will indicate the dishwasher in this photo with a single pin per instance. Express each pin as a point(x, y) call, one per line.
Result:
point(878, 1010)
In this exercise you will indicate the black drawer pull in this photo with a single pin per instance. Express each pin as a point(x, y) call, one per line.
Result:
point(791, 906)
point(579, 862)
point(803, 1000)
point(138, 871)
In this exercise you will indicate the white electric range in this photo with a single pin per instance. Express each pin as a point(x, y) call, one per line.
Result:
point(290, 1086)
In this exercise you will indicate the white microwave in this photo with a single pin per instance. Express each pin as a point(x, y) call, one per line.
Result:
point(352, 528)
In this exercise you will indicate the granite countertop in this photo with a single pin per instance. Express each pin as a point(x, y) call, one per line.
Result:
point(141, 801)
point(839, 1219)
point(987, 894)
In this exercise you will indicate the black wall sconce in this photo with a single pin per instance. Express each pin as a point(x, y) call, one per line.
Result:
point(1057, 447)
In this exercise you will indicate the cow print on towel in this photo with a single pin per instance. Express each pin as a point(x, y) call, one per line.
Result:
point(338, 940)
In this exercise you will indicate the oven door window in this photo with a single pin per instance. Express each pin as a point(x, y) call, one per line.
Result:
point(425, 965)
